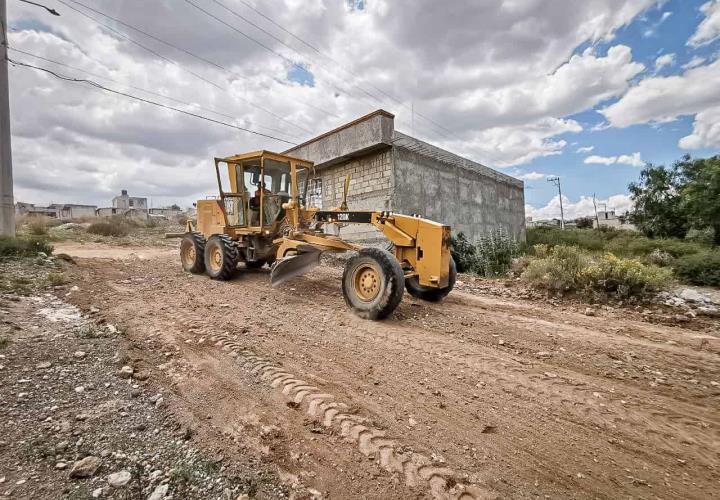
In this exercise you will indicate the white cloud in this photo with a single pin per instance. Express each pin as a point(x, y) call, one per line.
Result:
point(633, 160)
point(663, 99)
point(709, 29)
point(621, 203)
point(531, 176)
point(602, 160)
point(585, 149)
point(694, 62)
point(504, 96)
point(664, 60)
point(706, 130)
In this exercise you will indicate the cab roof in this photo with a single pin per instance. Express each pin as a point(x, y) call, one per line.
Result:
point(265, 154)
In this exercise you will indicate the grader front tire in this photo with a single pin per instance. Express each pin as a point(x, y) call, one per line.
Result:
point(192, 252)
point(429, 294)
point(221, 257)
point(372, 283)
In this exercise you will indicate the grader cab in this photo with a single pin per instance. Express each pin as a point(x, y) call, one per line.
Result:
point(261, 216)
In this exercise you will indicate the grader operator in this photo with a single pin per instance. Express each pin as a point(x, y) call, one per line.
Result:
point(261, 217)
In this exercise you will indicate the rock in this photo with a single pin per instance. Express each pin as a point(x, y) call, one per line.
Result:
point(710, 312)
point(42, 254)
point(43, 365)
point(80, 389)
point(589, 311)
point(80, 354)
point(74, 288)
point(97, 493)
point(160, 492)
point(141, 375)
point(125, 372)
point(85, 467)
point(412, 422)
point(61, 465)
point(119, 479)
point(692, 295)
point(243, 496)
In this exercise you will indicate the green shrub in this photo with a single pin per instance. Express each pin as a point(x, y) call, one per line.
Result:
point(111, 227)
point(463, 253)
point(23, 247)
point(494, 253)
point(660, 258)
point(491, 256)
point(700, 268)
point(624, 277)
point(558, 269)
point(564, 269)
point(38, 226)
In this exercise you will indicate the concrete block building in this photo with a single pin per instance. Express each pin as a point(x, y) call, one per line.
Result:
point(126, 202)
point(393, 171)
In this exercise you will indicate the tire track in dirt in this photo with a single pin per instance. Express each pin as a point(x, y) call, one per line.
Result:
point(564, 391)
point(414, 468)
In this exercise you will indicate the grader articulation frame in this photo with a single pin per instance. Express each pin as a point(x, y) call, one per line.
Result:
point(263, 218)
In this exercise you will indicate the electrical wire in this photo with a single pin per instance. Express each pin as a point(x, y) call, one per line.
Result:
point(187, 52)
point(261, 44)
point(146, 101)
point(175, 63)
point(169, 98)
point(343, 67)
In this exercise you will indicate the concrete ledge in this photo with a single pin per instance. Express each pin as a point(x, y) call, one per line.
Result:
point(371, 132)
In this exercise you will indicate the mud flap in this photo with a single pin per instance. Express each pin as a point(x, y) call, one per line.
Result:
point(307, 258)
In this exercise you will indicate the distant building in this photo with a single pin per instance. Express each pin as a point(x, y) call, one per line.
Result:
point(62, 211)
point(31, 210)
point(167, 212)
point(125, 202)
point(608, 218)
point(68, 211)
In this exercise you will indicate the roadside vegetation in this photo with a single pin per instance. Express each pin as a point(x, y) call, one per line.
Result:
point(677, 212)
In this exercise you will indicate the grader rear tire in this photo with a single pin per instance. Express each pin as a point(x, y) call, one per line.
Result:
point(221, 257)
point(372, 283)
point(192, 252)
point(430, 294)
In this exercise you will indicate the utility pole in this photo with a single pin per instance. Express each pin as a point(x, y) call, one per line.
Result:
point(7, 202)
point(556, 180)
point(597, 219)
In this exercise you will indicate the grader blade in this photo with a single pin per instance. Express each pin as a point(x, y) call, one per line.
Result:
point(307, 258)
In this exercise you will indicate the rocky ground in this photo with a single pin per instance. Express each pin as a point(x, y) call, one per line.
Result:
point(218, 390)
point(84, 413)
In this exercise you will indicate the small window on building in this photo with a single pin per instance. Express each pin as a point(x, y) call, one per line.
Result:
point(132, 203)
point(315, 193)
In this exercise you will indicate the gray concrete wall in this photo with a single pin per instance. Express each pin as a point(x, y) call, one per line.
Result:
point(453, 190)
point(369, 133)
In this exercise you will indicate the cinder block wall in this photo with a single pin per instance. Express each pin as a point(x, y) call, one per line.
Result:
point(370, 189)
point(452, 190)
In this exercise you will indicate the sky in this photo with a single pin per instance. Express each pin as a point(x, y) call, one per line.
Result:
point(588, 91)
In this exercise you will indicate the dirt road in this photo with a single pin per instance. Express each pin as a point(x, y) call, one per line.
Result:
point(476, 397)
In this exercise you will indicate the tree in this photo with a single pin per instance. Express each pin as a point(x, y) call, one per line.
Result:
point(701, 193)
point(657, 197)
point(584, 223)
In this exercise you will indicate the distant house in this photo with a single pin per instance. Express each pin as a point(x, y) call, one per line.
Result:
point(167, 212)
point(608, 218)
point(125, 202)
point(31, 210)
point(68, 211)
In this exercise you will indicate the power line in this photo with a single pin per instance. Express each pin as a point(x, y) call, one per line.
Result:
point(169, 98)
point(187, 52)
point(259, 43)
point(343, 67)
point(146, 101)
point(175, 63)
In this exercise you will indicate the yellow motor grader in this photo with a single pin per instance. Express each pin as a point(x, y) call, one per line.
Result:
point(262, 217)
